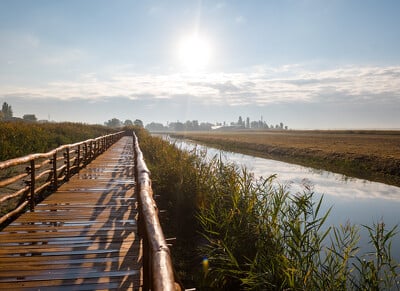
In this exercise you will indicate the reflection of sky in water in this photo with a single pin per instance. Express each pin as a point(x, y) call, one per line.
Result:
point(354, 200)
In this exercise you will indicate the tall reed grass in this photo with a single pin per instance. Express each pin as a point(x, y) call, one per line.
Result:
point(21, 138)
point(235, 232)
point(262, 237)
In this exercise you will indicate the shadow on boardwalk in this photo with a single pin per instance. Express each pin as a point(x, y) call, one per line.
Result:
point(84, 236)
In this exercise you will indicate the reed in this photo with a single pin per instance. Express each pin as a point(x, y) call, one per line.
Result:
point(235, 232)
point(21, 138)
point(262, 237)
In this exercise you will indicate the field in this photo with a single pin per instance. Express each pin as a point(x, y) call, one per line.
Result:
point(372, 155)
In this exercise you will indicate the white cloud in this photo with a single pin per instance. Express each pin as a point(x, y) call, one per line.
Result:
point(258, 87)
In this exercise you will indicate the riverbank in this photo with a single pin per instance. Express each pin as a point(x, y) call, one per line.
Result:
point(370, 155)
point(235, 231)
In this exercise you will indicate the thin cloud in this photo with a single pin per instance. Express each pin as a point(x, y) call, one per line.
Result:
point(259, 87)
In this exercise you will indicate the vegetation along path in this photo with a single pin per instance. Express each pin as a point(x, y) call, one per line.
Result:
point(371, 155)
point(82, 237)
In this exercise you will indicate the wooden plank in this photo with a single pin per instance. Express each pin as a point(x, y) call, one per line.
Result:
point(12, 251)
point(52, 227)
point(83, 237)
point(68, 259)
point(71, 263)
point(70, 237)
point(123, 282)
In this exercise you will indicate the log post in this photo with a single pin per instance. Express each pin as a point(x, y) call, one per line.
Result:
point(68, 164)
point(32, 185)
point(78, 157)
point(55, 176)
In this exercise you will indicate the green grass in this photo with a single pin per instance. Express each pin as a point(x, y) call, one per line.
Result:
point(238, 233)
point(19, 138)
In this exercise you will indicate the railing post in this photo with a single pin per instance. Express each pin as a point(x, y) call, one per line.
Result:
point(78, 157)
point(32, 186)
point(95, 148)
point(85, 153)
point(54, 163)
point(90, 150)
point(67, 162)
point(147, 278)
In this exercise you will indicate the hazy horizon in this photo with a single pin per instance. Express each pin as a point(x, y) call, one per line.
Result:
point(309, 64)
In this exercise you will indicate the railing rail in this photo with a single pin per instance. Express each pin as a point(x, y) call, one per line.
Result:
point(45, 172)
point(158, 272)
point(29, 176)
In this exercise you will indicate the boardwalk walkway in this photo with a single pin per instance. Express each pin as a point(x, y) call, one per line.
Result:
point(82, 237)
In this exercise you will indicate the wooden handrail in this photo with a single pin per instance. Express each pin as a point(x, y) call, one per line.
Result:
point(158, 272)
point(45, 172)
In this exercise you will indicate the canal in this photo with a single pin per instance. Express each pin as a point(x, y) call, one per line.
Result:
point(353, 200)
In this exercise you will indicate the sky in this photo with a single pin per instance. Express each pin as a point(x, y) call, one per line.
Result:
point(311, 64)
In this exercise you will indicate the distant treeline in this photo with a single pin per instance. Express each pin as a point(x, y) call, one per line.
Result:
point(20, 138)
point(195, 125)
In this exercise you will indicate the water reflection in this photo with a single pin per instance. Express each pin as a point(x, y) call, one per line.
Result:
point(358, 201)
point(324, 181)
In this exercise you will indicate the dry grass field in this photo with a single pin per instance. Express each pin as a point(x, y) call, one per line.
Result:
point(373, 155)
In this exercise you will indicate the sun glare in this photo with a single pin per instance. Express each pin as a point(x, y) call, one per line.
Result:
point(194, 52)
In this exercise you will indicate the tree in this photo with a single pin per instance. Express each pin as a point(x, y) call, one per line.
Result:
point(7, 111)
point(128, 122)
point(176, 126)
point(155, 127)
point(29, 117)
point(115, 122)
point(138, 123)
point(205, 126)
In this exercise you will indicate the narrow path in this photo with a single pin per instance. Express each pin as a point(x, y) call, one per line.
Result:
point(82, 237)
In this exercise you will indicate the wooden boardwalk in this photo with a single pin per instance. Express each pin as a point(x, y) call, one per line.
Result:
point(82, 237)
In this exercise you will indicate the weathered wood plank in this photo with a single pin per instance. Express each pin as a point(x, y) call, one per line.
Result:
point(83, 237)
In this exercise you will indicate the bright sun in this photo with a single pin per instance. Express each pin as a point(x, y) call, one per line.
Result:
point(194, 52)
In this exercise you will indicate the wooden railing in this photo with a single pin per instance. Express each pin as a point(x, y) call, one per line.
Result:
point(27, 178)
point(158, 272)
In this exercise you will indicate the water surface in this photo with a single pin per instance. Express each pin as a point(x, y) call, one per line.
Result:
point(359, 201)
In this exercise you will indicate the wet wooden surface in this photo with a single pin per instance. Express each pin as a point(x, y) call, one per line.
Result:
point(82, 237)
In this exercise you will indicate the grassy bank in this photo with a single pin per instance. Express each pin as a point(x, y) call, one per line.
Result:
point(237, 233)
point(21, 138)
point(371, 155)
